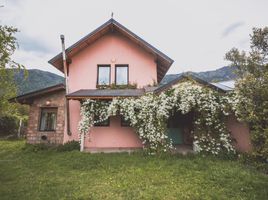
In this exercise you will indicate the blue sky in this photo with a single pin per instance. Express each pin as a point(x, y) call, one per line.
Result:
point(196, 34)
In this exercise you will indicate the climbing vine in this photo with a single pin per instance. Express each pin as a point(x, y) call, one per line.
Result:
point(149, 115)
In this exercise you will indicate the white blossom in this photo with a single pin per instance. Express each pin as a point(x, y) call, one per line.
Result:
point(149, 115)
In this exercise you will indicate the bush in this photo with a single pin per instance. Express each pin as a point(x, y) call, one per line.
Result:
point(259, 138)
point(37, 147)
point(69, 146)
point(8, 126)
point(251, 160)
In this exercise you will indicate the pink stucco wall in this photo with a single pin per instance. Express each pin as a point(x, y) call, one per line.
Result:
point(240, 132)
point(110, 49)
point(113, 136)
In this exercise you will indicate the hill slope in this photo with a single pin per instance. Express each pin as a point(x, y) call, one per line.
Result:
point(36, 79)
point(221, 74)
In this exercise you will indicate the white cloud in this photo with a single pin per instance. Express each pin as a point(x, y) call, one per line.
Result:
point(189, 31)
point(231, 28)
point(35, 60)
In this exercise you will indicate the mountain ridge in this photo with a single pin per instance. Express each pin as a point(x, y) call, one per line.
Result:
point(38, 79)
point(35, 80)
point(225, 73)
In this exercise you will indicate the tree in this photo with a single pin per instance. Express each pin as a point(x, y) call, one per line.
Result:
point(252, 89)
point(8, 45)
point(7, 87)
point(9, 113)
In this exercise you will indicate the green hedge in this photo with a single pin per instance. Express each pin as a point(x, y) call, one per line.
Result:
point(8, 125)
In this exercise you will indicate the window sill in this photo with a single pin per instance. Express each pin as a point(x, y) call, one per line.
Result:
point(114, 86)
point(47, 131)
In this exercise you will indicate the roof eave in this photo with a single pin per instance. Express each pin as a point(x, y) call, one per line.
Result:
point(23, 99)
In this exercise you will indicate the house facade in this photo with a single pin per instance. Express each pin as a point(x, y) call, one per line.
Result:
point(109, 62)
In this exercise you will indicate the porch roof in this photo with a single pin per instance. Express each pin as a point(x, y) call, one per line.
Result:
point(105, 93)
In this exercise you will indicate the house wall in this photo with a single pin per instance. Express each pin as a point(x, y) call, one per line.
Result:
point(112, 49)
point(113, 136)
point(33, 134)
point(240, 132)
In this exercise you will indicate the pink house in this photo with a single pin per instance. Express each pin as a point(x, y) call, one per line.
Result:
point(108, 58)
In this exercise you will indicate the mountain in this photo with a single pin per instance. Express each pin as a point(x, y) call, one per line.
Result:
point(36, 79)
point(221, 74)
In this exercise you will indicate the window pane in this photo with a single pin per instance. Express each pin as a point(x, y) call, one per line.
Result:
point(43, 121)
point(104, 75)
point(103, 123)
point(124, 122)
point(121, 75)
point(48, 119)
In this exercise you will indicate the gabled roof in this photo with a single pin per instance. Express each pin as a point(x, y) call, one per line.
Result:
point(163, 61)
point(191, 77)
point(105, 93)
point(27, 98)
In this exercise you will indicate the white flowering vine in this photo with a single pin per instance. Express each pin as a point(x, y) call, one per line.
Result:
point(149, 115)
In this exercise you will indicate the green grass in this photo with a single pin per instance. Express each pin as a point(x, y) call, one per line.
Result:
point(25, 174)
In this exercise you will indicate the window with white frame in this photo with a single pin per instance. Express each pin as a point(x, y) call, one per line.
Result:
point(104, 74)
point(121, 74)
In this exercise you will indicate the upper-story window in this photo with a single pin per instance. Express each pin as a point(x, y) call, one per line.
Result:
point(104, 74)
point(121, 74)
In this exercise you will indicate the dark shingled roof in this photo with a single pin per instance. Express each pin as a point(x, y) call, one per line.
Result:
point(27, 98)
point(107, 93)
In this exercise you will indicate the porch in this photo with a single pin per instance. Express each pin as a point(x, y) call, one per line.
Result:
point(179, 127)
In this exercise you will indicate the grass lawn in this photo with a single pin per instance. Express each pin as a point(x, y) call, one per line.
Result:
point(74, 175)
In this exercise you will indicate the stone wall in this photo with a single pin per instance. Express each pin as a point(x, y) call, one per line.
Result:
point(33, 134)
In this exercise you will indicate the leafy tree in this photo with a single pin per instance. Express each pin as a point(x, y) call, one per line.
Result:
point(8, 44)
point(7, 86)
point(8, 111)
point(252, 89)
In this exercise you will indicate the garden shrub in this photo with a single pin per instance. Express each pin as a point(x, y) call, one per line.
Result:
point(251, 160)
point(251, 90)
point(69, 146)
point(37, 147)
point(8, 125)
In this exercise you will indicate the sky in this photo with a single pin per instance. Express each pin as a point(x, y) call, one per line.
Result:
point(196, 34)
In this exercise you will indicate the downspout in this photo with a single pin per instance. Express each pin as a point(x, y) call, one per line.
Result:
point(66, 104)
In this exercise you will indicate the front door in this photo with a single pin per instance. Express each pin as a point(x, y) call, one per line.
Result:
point(176, 135)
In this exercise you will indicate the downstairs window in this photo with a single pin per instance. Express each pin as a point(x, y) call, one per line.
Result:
point(48, 119)
point(125, 122)
point(102, 123)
